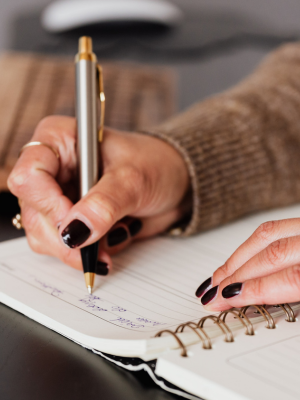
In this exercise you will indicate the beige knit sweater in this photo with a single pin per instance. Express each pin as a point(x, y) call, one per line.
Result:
point(242, 147)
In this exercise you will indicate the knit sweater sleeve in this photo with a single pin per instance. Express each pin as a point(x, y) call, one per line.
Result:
point(242, 147)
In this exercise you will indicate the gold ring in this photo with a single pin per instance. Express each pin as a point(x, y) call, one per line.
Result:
point(30, 144)
point(17, 221)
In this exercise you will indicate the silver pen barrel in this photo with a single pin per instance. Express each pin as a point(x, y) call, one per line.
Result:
point(86, 113)
point(87, 140)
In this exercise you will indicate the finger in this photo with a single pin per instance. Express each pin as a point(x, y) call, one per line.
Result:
point(264, 235)
point(280, 287)
point(42, 238)
point(117, 239)
point(277, 256)
point(124, 232)
point(34, 177)
point(117, 194)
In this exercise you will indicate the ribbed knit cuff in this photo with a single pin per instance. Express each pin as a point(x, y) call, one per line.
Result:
point(242, 147)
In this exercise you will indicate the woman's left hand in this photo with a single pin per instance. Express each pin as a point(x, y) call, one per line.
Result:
point(265, 269)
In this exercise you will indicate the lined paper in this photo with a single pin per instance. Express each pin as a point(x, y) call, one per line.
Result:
point(151, 287)
point(277, 364)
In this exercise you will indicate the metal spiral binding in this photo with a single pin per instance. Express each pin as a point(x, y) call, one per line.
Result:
point(262, 310)
point(288, 312)
point(219, 320)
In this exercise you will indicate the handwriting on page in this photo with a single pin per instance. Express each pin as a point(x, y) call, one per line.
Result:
point(98, 305)
point(124, 300)
point(91, 302)
point(94, 303)
point(53, 290)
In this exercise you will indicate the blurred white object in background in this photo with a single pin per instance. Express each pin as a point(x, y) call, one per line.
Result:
point(63, 15)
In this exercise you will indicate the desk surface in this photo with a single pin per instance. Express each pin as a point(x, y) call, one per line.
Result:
point(36, 363)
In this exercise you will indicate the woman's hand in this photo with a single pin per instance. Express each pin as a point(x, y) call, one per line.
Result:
point(143, 177)
point(263, 270)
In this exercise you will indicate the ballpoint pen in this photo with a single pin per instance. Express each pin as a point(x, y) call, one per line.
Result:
point(89, 90)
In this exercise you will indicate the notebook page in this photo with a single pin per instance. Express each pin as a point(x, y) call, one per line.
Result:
point(278, 364)
point(144, 293)
point(264, 366)
point(151, 287)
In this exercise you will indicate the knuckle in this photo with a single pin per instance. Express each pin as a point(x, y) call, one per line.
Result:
point(277, 251)
point(104, 206)
point(293, 277)
point(49, 209)
point(223, 272)
point(17, 179)
point(257, 288)
point(266, 231)
point(46, 122)
point(133, 180)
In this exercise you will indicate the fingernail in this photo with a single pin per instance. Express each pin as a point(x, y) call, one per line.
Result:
point(135, 226)
point(101, 268)
point(117, 236)
point(203, 287)
point(232, 290)
point(210, 295)
point(75, 234)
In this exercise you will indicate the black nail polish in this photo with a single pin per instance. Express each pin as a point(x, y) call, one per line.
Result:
point(232, 290)
point(101, 268)
point(203, 287)
point(209, 296)
point(135, 226)
point(75, 234)
point(117, 236)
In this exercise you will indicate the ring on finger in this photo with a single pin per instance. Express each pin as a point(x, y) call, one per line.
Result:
point(31, 144)
point(17, 221)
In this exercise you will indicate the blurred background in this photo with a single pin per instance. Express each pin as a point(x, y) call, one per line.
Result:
point(209, 47)
point(214, 45)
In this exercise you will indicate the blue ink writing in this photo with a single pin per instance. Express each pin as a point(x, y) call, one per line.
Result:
point(90, 302)
point(53, 290)
point(127, 322)
point(149, 321)
point(117, 308)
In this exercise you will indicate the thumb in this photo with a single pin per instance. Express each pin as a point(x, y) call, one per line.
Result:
point(114, 196)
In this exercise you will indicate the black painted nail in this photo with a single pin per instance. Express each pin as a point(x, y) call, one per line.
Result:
point(75, 234)
point(101, 268)
point(117, 236)
point(135, 226)
point(209, 296)
point(203, 287)
point(232, 290)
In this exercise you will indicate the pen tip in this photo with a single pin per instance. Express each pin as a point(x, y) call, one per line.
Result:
point(89, 289)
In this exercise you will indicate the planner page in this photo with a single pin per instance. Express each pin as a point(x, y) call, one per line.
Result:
point(263, 366)
point(151, 287)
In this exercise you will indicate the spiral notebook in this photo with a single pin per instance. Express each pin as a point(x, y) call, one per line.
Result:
point(144, 315)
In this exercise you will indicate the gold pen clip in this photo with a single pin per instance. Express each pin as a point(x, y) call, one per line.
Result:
point(102, 101)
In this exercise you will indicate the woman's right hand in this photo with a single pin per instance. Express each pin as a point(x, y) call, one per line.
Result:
point(139, 195)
